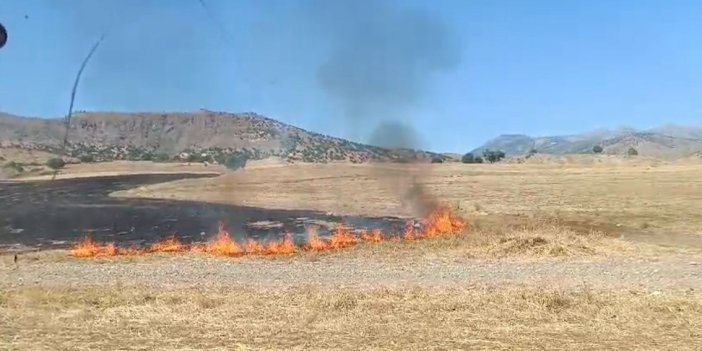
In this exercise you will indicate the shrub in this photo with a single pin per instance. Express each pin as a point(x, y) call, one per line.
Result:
point(632, 152)
point(56, 163)
point(597, 149)
point(468, 158)
point(478, 159)
point(437, 160)
point(235, 161)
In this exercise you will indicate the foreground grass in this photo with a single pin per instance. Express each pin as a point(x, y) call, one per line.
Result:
point(315, 318)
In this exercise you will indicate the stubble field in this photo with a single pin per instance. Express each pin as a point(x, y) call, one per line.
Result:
point(558, 256)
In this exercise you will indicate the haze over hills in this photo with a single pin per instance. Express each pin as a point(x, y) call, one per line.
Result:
point(211, 135)
point(668, 142)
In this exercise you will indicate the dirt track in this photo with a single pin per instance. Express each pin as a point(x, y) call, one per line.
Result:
point(674, 272)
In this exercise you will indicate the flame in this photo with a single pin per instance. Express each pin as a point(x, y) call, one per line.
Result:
point(170, 244)
point(314, 243)
point(86, 248)
point(284, 247)
point(441, 222)
point(253, 247)
point(376, 236)
point(223, 245)
point(343, 238)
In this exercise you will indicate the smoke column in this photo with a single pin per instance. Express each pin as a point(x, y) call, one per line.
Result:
point(382, 57)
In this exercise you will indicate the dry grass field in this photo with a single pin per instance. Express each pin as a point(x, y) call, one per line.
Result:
point(559, 256)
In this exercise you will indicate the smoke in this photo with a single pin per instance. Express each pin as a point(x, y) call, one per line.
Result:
point(382, 56)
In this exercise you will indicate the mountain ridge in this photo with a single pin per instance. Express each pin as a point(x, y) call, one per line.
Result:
point(210, 134)
point(668, 142)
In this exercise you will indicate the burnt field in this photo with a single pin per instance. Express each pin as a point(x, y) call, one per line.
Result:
point(56, 214)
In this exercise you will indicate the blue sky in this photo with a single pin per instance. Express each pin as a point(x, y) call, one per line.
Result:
point(533, 67)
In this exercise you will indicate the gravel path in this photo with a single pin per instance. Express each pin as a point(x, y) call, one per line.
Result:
point(672, 272)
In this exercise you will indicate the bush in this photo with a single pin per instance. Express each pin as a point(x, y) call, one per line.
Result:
point(87, 159)
point(632, 152)
point(478, 159)
point(597, 149)
point(493, 156)
point(235, 161)
point(468, 158)
point(56, 163)
point(437, 160)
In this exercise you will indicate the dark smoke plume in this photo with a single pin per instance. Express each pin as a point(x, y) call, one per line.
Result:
point(382, 58)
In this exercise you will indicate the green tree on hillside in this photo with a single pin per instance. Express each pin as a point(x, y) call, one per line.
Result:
point(56, 163)
point(493, 156)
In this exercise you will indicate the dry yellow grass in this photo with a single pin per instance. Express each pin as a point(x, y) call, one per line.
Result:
point(638, 199)
point(309, 318)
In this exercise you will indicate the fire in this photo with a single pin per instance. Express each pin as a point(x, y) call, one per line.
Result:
point(284, 247)
point(171, 244)
point(376, 236)
point(253, 247)
point(314, 243)
point(342, 238)
point(440, 223)
point(87, 248)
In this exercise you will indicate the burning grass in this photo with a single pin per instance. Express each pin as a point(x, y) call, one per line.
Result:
point(442, 222)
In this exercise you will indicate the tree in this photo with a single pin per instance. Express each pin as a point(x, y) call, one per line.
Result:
point(632, 152)
point(235, 161)
point(493, 156)
point(478, 159)
point(56, 163)
point(468, 158)
point(597, 149)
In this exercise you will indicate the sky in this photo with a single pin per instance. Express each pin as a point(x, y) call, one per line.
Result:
point(456, 72)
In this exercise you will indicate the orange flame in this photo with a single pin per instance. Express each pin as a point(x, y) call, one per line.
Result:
point(170, 244)
point(284, 247)
point(440, 223)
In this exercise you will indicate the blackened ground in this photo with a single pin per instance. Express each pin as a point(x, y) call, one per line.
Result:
point(56, 214)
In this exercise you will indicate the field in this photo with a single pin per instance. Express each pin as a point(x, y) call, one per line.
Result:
point(604, 255)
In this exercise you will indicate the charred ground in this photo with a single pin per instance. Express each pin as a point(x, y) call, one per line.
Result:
point(55, 214)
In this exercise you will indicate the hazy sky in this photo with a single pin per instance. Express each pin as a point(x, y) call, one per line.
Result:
point(457, 71)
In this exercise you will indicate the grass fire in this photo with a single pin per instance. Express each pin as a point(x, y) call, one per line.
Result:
point(439, 223)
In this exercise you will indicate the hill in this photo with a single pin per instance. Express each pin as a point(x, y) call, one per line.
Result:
point(198, 136)
point(667, 142)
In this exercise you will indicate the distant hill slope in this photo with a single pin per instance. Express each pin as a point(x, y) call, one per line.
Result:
point(207, 134)
point(668, 142)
